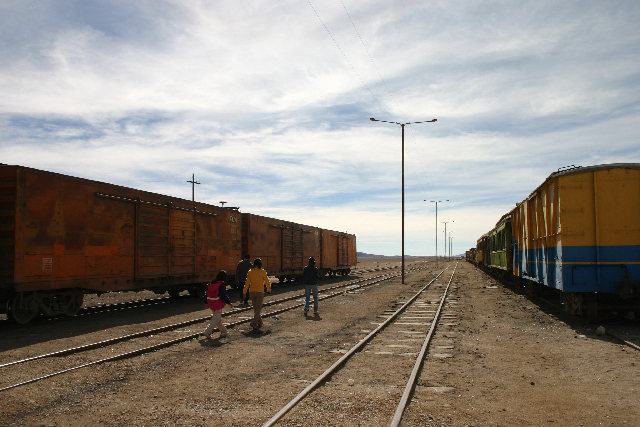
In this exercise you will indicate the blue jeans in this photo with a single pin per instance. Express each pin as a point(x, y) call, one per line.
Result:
point(307, 296)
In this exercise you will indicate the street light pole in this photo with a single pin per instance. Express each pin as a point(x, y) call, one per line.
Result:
point(436, 202)
point(402, 125)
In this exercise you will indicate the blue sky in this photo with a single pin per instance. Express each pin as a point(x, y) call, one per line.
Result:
point(268, 103)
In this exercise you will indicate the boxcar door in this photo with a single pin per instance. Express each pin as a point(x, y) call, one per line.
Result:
point(152, 241)
point(8, 231)
point(343, 251)
point(182, 248)
point(166, 241)
point(291, 247)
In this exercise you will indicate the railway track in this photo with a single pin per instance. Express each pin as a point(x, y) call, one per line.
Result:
point(415, 319)
point(147, 302)
point(130, 345)
point(104, 308)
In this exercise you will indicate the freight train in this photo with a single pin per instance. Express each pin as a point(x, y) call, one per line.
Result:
point(62, 237)
point(578, 234)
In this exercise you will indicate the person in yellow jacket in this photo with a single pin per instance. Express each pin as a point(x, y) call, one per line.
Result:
point(254, 287)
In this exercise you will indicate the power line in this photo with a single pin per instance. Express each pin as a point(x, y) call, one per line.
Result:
point(345, 57)
point(372, 61)
point(388, 90)
point(362, 80)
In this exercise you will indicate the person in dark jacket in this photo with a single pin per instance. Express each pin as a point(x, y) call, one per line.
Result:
point(310, 274)
point(216, 298)
point(241, 275)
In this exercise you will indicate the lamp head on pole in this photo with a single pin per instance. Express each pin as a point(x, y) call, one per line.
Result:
point(402, 124)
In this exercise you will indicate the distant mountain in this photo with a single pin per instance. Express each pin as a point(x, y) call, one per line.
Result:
point(365, 255)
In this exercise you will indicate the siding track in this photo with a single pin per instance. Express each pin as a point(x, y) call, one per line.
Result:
point(143, 342)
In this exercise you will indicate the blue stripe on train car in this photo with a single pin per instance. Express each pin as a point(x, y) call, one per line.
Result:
point(573, 268)
point(540, 266)
point(614, 264)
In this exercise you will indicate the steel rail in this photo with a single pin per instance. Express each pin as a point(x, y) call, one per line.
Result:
point(102, 308)
point(397, 417)
point(99, 308)
point(346, 356)
point(190, 336)
point(619, 338)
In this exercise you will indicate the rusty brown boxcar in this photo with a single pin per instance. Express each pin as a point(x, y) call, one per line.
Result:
point(338, 253)
point(471, 255)
point(285, 247)
point(63, 236)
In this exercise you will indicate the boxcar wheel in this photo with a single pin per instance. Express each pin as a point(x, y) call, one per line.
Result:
point(198, 290)
point(20, 315)
point(573, 304)
point(174, 293)
point(75, 305)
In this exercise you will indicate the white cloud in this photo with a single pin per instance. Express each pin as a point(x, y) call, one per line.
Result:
point(259, 102)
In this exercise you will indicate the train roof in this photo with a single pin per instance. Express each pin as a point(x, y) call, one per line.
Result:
point(172, 198)
point(571, 170)
point(87, 180)
point(574, 170)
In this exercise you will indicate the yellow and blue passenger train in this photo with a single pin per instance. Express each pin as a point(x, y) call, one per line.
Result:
point(577, 233)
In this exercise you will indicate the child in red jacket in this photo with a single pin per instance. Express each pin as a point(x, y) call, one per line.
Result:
point(216, 298)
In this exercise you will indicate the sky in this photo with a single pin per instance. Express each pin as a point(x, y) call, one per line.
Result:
point(268, 104)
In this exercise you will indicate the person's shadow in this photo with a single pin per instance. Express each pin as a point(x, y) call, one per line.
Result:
point(256, 333)
point(213, 342)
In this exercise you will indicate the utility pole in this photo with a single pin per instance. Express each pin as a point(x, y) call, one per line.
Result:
point(436, 202)
point(193, 187)
point(445, 238)
point(402, 125)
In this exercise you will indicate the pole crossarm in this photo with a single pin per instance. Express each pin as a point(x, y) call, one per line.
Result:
point(193, 187)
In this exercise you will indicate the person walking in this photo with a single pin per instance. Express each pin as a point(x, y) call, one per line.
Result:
point(254, 288)
point(241, 275)
point(216, 298)
point(310, 274)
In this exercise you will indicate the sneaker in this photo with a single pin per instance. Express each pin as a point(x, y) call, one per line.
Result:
point(224, 335)
point(315, 313)
point(306, 312)
point(207, 335)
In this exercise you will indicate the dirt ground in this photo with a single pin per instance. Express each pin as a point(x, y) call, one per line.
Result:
point(509, 362)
